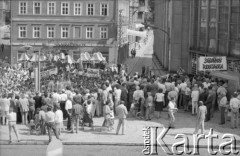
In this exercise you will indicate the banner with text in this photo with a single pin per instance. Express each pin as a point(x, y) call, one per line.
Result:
point(46, 73)
point(212, 63)
point(93, 72)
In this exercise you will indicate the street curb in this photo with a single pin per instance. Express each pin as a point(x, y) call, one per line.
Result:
point(95, 143)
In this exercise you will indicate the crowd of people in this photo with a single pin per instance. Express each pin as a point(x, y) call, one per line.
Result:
point(78, 99)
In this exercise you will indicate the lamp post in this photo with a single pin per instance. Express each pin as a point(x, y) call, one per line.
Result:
point(168, 42)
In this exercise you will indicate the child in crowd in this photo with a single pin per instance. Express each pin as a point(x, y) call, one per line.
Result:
point(201, 115)
point(32, 127)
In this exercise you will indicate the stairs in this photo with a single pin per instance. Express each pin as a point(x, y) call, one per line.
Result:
point(158, 69)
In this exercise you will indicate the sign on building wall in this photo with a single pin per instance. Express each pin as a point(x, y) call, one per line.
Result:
point(212, 63)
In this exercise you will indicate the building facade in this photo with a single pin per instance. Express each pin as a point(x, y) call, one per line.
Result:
point(215, 31)
point(70, 26)
point(197, 28)
point(4, 11)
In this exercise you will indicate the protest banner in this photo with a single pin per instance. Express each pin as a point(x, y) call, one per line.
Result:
point(46, 73)
point(93, 72)
point(212, 63)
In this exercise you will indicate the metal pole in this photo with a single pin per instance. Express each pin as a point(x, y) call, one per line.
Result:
point(170, 53)
point(39, 72)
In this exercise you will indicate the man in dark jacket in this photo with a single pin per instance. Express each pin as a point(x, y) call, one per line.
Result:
point(124, 94)
point(38, 101)
point(208, 103)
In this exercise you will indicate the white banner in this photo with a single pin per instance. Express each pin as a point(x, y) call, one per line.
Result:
point(93, 72)
point(137, 33)
point(212, 63)
point(53, 71)
point(139, 26)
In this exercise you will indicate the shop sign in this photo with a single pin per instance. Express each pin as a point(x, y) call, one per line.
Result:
point(212, 63)
point(92, 72)
point(46, 73)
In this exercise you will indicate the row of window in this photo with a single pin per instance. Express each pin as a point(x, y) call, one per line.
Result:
point(65, 32)
point(65, 8)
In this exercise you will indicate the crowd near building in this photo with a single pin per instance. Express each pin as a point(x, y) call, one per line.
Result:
point(66, 69)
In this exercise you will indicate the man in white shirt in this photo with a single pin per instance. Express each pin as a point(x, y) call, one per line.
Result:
point(109, 87)
point(12, 119)
point(68, 108)
point(171, 110)
point(195, 96)
point(234, 105)
point(5, 105)
point(59, 119)
point(117, 95)
point(50, 123)
point(207, 83)
point(162, 86)
point(56, 97)
point(137, 94)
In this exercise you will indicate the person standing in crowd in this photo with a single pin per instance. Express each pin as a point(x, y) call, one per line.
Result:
point(137, 94)
point(195, 97)
point(117, 96)
point(171, 110)
point(100, 99)
point(124, 93)
point(209, 103)
point(69, 93)
point(31, 112)
point(168, 89)
point(222, 106)
point(87, 113)
point(38, 100)
point(214, 92)
point(68, 108)
point(42, 120)
point(221, 91)
point(24, 108)
point(159, 102)
point(234, 105)
point(50, 123)
point(104, 95)
point(94, 99)
point(187, 96)
point(56, 97)
point(203, 95)
point(106, 115)
point(5, 108)
point(206, 83)
point(12, 119)
point(201, 115)
point(149, 106)
point(13, 103)
point(122, 113)
point(182, 89)
point(77, 115)
point(59, 119)
point(46, 100)
point(63, 102)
